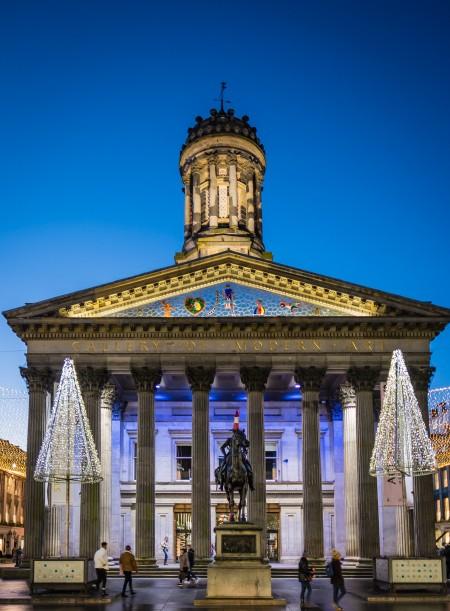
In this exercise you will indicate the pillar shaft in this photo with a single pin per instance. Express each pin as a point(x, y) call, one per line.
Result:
point(213, 204)
point(348, 398)
point(187, 207)
point(200, 379)
point(254, 380)
point(197, 211)
point(91, 383)
point(233, 196)
point(108, 397)
point(424, 510)
point(145, 380)
point(250, 206)
point(363, 379)
point(39, 384)
point(310, 379)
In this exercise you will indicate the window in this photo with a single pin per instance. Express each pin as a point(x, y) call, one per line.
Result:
point(438, 510)
point(446, 508)
point(436, 481)
point(184, 461)
point(271, 460)
point(134, 460)
point(444, 477)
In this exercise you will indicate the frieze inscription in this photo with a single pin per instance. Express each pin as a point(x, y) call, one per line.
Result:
point(226, 346)
point(237, 346)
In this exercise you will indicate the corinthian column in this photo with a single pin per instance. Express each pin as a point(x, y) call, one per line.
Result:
point(187, 207)
point(254, 380)
point(200, 380)
point(233, 194)
point(310, 380)
point(348, 399)
point(363, 379)
point(424, 513)
point(146, 380)
point(197, 212)
point(39, 382)
point(108, 396)
point(91, 384)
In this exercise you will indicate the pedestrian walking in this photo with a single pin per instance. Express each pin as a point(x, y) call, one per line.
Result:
point(334, 571)
point(18, 557)
point(184, 567)
point(191, 556)
point(101, 566)
point(165, 549)
point(128, 566)
point(305, 575)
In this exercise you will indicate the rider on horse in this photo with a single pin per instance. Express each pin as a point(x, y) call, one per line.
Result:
point(226, 451)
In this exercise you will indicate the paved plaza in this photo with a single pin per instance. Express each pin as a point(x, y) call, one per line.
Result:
point(164, 595)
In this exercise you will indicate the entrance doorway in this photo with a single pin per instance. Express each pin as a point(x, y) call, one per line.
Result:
point(183, 528)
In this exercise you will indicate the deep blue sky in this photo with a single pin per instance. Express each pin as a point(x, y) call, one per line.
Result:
point(351, 100)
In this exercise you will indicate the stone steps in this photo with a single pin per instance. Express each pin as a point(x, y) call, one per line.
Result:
point(278, 572)
point(171, 572)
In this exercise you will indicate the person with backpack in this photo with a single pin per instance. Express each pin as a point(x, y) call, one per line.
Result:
point(334, 572)
point(305, 575)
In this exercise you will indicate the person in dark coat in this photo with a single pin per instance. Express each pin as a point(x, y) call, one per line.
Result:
point(447, 559)
point(305, 575)
point(337, 579)
point(191, 556)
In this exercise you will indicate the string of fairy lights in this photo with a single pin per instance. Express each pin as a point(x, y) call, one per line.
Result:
point(402, 446)
point(14, 416)
point(68, 452)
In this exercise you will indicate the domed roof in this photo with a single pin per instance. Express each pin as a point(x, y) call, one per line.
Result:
point(222, 122)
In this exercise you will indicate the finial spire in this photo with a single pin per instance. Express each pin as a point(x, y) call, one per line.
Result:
point(221, 98)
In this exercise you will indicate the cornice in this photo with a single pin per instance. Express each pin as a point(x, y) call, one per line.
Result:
point(226, 328)
point(248, 275)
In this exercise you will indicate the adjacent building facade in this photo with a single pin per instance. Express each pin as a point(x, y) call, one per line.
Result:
point(12, 483)
point(165, 359)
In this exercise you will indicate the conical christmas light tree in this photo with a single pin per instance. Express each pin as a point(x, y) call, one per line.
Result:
point(402, 445)
point(68, 452)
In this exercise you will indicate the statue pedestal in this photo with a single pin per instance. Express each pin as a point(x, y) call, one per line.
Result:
point(239, 576)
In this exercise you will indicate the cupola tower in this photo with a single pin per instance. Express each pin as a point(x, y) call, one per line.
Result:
point(222, 165)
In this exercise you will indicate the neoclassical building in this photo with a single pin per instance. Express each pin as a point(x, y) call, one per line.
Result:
point(165, 359)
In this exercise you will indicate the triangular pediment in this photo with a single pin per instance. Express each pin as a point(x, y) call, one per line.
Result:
point(228, 284)
point(227, 299)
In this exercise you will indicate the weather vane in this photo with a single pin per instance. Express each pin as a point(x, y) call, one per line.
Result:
point(221, 99)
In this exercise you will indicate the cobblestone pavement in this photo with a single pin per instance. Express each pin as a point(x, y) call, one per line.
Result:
point(164, 595)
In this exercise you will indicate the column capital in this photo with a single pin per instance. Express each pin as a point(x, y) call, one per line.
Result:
point(347, 395)
point(108, 396)
point(309, 378)
point(254, 378)
point(421, 377)
point(363, 378)
point(38, 379)
point(200, 377)
point(92, 379)
point(146, 379)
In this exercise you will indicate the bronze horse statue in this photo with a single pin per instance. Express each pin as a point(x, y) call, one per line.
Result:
point(235, 473)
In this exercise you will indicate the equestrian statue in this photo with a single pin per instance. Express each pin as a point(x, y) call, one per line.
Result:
point(235, 471)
